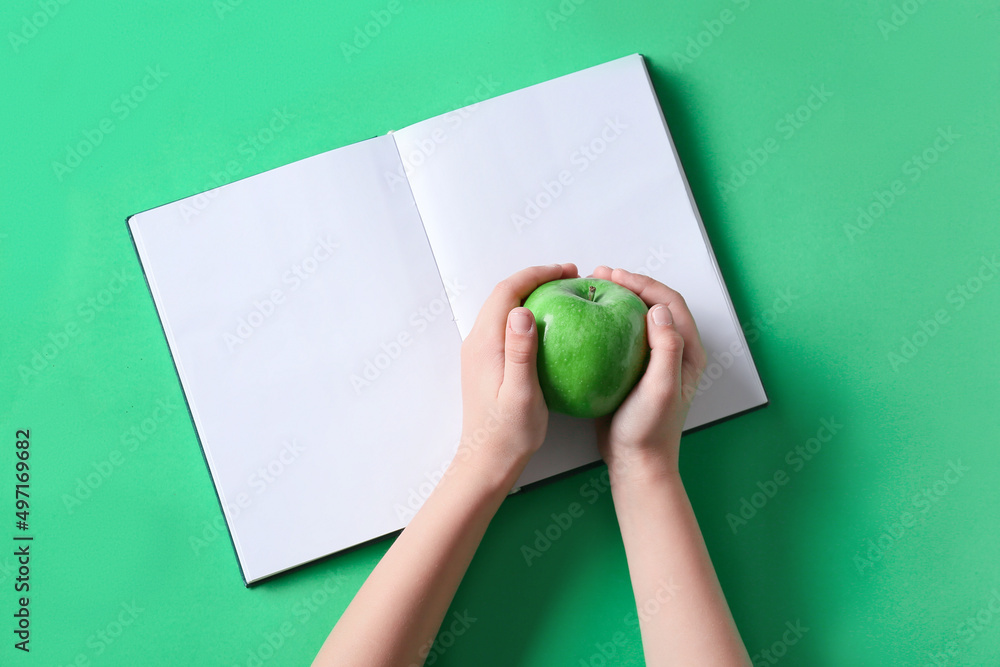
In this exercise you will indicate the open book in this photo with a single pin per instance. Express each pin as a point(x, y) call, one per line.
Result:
point(315, 312)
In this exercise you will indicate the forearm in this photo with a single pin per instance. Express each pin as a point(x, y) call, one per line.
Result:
point(398, 611)
point(683, 615)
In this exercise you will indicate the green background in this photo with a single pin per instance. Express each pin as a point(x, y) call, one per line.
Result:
point(824, 306)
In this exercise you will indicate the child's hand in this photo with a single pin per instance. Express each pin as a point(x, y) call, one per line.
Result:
point(643, 435)
point(504, 417)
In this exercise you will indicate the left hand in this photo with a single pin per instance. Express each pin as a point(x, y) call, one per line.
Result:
point(504, 417)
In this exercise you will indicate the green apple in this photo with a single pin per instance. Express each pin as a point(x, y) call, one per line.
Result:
point(592, 344)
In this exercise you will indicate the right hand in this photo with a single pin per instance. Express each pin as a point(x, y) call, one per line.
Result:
point(643, 435)
point(504, 417)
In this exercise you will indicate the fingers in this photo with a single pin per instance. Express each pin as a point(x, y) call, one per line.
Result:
point(661, 383)
point(510, 292)
point(652, 292)
point(602, 272)
point(520, 374)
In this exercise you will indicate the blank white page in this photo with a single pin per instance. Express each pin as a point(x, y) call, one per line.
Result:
point(281, 296)
point(580, 168)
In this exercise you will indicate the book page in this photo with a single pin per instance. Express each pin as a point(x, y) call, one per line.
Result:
point(582, 169)
point(316, 349)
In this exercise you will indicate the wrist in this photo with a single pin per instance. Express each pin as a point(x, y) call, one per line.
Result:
point(492, 465)
point(641, 465)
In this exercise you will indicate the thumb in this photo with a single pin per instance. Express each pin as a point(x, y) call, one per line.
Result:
point(520, 350)
point(661, 382)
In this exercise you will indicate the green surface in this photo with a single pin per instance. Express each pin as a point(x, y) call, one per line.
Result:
point(824, 307)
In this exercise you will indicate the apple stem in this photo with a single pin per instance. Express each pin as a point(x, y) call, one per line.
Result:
point(590, 294)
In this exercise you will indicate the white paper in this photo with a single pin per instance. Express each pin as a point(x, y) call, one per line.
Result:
point(306, 459)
